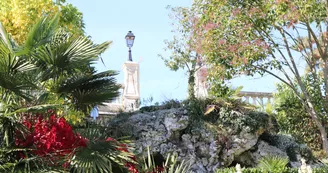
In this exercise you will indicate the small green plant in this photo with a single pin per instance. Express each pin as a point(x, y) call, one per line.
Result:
point(169, 166)
point(273, 164)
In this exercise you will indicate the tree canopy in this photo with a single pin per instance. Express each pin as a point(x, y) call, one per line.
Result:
point(183, 47)
point(18, 16)
point(265, 36)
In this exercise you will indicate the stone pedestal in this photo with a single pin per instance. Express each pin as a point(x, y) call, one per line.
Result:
point(131, 91)
point(201, 83)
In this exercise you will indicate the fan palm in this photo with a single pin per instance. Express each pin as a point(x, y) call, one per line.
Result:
point(84, 91)
point(100, 155)
point(63, 62)
point(51, 66)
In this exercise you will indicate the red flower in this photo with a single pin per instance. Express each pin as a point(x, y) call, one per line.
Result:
point(110, 139)
point(55, 137)
point(49, 136)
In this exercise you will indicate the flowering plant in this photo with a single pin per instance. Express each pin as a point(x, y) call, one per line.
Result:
point(51, 136)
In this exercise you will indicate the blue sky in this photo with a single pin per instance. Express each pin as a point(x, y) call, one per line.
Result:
point(149, 21)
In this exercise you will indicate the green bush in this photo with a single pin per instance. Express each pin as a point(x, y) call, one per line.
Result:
point(258, 170)
point(288, 144)
point(293, 119)
point(254, 122)
point(168, 104)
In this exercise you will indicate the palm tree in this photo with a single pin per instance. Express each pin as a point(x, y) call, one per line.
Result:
point(63, 67)
point(51, 69)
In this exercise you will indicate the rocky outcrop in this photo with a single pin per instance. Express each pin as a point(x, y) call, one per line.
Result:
point(206, 147)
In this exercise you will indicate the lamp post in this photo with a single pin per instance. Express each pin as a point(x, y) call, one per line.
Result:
point(129, 42)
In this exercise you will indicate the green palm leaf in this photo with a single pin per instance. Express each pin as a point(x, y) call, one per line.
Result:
point(12, 69)
point(66, 56)
point(85, 91)
point(99, 155)
point(41, 33)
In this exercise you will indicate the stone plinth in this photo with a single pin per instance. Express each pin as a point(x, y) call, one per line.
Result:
point(131, 92)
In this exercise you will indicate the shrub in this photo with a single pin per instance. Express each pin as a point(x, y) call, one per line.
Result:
point(168, 104)
point(293, 119)
point(258, 170)
point(52, 139)
point(288, 144)
point(49, 136)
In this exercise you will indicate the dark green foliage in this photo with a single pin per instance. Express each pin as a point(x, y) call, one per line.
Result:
point(233, 170)
point(172, 103)
point(237, 121)
point(226, 113)
point(99, 155)
point(293, 118)
point(196, 109)
point(33, 164)
point(168, 104)
point(87, 90)
point(256, 121)
point(149, 108)
point(289, 145)
point(258, 170)
point(115, 128)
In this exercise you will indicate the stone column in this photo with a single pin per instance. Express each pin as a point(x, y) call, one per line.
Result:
point(131, 91)
point(200, 83)
point(254, 100)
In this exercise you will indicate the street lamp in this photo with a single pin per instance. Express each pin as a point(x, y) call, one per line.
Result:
point(129, 42)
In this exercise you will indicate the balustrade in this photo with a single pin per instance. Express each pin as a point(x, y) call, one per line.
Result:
point(256, 98)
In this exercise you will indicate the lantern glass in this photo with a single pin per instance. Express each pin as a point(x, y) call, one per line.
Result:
point(129, 39)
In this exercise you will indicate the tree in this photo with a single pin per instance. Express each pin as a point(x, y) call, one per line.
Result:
point(18, 16)
point(184, 47)
point(293, 118)
point(249, 37)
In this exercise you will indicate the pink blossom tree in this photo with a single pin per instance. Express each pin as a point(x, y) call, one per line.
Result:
point(269, 36)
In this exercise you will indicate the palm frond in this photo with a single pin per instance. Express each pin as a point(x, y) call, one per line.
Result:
point(42, 32)
point(37, 108)
point(86, 91)
point(99, 155)
point(12, 69)
point(10, 162)
point(6, 39)
point(9, 125)
point(29, 165)
point(65, 56)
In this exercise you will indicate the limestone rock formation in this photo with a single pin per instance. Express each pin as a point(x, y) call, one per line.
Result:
point(232, 141)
